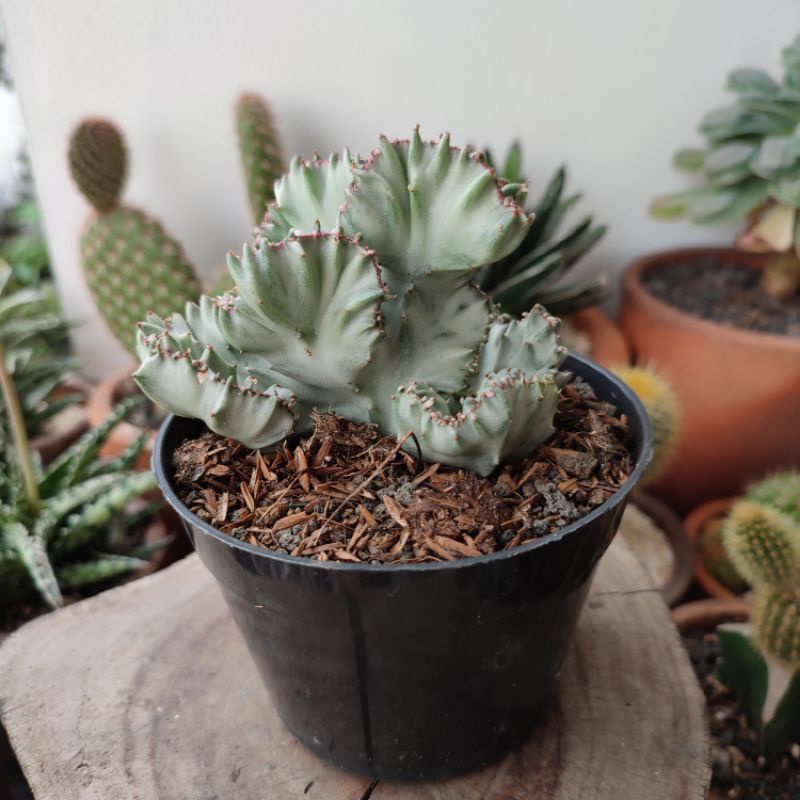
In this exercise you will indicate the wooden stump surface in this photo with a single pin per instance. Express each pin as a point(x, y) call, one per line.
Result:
point(146, 692)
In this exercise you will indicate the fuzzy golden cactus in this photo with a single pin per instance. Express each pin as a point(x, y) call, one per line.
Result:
point(662, 407)
point(776, 619)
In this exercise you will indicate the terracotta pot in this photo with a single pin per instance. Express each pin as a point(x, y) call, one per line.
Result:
point(609, 348)
point(667, 521)
point(703, 615)
point(695, 524)
point(739, 391)
point(102, 399)
point(49, 445)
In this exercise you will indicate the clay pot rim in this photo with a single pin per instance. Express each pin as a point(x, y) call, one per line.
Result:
point(709, 613)
point(694, 523)
point(679, 541)
point(633, 284)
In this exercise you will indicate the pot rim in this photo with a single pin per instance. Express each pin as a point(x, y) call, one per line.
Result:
point(633, 285)
point(643, 456)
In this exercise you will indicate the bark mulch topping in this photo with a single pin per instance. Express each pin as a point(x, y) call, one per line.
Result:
point(348, 493)
point(739, 770)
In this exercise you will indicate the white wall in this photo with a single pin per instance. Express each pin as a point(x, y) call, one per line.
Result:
point(610, 87)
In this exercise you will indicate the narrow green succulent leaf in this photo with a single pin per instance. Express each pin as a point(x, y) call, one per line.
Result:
point(512, 169)
point(784, 727)
point(78, 529)
point(310, 193)
point(508, 294)
point(508, 417)
point(84, 573)
point(581, 294)
point(124, 462)
point(750, 81)
point(33, 556)
point(744, 669)
point(581, 246)
point(547, 207)
point(428, 206)
point(689, 159)
point(54, 508)
point(69, 467)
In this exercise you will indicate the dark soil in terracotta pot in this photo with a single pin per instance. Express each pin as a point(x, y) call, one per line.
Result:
point(739, 771)
point(727, 294)
point(348, 493)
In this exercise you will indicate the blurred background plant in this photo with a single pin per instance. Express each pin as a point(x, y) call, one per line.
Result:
point(750, 169)
point(535, 271)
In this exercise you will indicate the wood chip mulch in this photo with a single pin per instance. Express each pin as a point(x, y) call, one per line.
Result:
point(348, 493)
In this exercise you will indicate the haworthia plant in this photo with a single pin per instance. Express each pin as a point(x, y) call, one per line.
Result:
point(762, 662)
point(358, 297)
point(131, 262)
point(66, 542)
point(533, 272)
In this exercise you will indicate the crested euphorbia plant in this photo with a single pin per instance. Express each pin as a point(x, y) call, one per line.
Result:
point(357, 297)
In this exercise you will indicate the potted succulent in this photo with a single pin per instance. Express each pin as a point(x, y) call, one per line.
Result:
point(534, 272)
point(701, 314)
point(755, 711)
point(710, 523)
point(132, 264)
point(400, 491)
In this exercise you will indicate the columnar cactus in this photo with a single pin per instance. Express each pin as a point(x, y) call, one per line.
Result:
point(261, 151)
point(662, 407)
point(762, 537)
point(132, 264)
point(358, 297)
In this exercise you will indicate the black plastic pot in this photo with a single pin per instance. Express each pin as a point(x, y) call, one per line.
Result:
point(415, 671)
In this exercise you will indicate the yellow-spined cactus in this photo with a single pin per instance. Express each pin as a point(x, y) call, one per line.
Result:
point(662, 407)
point(763, 543)
point(776, 619)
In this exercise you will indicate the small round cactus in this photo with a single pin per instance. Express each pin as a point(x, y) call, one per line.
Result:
point(776, 617)
point(780, 491)
point(98, 162)
point(662, 407)
point(261, 152)
point(763, 543)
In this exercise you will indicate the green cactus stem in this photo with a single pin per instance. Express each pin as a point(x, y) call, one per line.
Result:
point(377, 319)
point(261, 151)
point(98, 162)
point(763, 543)
point(776, 618)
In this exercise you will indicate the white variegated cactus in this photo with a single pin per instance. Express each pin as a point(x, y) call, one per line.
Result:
point(357, 297)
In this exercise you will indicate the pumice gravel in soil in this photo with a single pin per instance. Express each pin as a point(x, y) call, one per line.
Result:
point(347, 493)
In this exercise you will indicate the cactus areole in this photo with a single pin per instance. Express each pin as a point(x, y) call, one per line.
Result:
point(357, 297)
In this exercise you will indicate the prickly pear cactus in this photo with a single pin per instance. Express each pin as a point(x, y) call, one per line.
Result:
point(98, 162)
point(261, 151)
point(358, 297)
point(662, 407)
point(132, 265)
